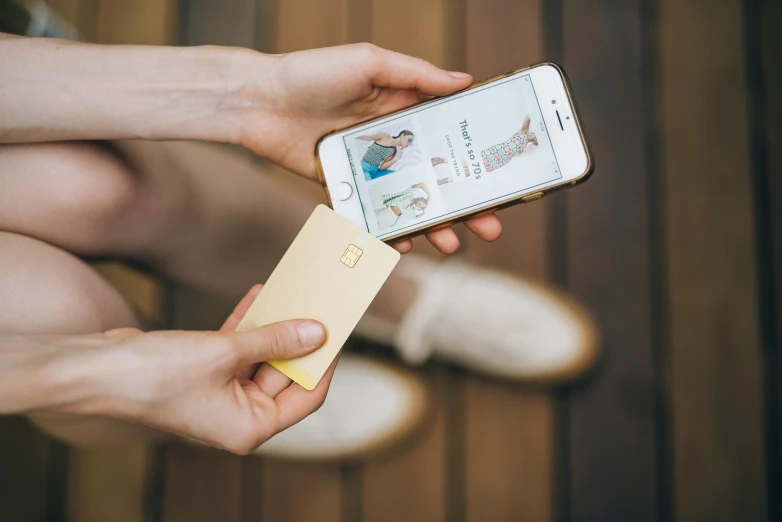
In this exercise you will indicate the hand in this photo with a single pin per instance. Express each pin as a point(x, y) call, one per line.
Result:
point(204, 385)
point(302, 96)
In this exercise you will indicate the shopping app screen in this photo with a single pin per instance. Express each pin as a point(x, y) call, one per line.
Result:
point(481, 146)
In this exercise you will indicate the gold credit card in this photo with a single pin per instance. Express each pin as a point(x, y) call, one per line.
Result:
point(330, 273)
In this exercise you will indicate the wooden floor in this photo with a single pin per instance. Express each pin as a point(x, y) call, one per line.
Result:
point(675, 245)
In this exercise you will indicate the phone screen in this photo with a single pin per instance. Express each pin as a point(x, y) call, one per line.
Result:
point(453, 155)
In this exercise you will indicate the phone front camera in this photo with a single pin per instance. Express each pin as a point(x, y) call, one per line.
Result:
point(553, 102)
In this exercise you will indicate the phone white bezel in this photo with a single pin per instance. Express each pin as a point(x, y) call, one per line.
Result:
point(569, 146)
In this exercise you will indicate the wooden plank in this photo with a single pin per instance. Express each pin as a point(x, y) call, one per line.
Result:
point(412, 484)
point(414, 27)
point(761, 23)
point(24, 459)
point(715, 354)
point(396, 487)
point(492, 25)
point(310, 24)
point(307, 24)
point(510, 448)
point(33, 469)
point(252, 488)
point(301, 492)
point(213, 22)
point(68, 10)
point(509, 431)
point(110, 483)
point(359, 21)
point(291, 491)
point(611, 441)
point(150, 22)
point(204, 484)
point(201, 484)
point(82, 14)
point(107, 483)
point(425, 35)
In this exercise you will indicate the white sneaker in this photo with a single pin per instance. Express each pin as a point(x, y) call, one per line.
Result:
point(371, 406)
point(44, 22)
point(488, 321)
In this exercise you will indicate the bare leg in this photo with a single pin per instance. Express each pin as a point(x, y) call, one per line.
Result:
point(45, 290)
point(199, 214)
point(202, 215)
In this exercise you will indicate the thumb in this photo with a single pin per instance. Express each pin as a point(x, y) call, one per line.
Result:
point(399, 71)
point(278, 341)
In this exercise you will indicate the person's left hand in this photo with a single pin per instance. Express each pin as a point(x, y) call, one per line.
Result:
point(302, 96)
point(213, 387)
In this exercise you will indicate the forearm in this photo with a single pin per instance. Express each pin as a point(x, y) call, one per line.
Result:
point(423, 187)
point(49, 383)
point(58, 90)
point(390, 161)
point(38, 376)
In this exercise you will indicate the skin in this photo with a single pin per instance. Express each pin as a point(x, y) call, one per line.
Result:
point(223, 394)
point(423, 187)
point(421, 203)
point(396, 156)
point(275, 107)
point(531, 138)
point(385, 139)
point(158, 206)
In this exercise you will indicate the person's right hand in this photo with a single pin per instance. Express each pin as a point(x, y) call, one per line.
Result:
point(288, 102)
point(200, 385)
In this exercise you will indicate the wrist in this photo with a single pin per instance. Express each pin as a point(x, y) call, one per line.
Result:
point(37, 374)
point(223, 87)
point(63, 375)
point(80, 378)
point(88, 91)
point(244, 97)
point(205, 94)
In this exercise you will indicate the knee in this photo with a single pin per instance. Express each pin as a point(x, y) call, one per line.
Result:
point(45, 290)
point(82, 184)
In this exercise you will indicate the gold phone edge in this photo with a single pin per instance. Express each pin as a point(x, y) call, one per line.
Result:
point(517, 201)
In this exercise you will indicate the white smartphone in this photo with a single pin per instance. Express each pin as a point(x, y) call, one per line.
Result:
point(510, 139)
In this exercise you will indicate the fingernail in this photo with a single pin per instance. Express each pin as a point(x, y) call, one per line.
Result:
point(311, 333)
point(460, 75)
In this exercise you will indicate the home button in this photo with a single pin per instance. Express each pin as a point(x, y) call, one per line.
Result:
point(344, 191)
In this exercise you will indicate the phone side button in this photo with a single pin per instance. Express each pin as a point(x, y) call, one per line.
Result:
point(532, 197)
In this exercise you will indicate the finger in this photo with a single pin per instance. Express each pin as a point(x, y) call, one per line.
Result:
point(278, 341)
point(404, 246)
point(444, 240)
point(399, 71)
point(236, 316)
point(248, 372)
point(118, 335)
point(295, 403)
point(486, 226)
point(270, 380)
point(95, 340)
